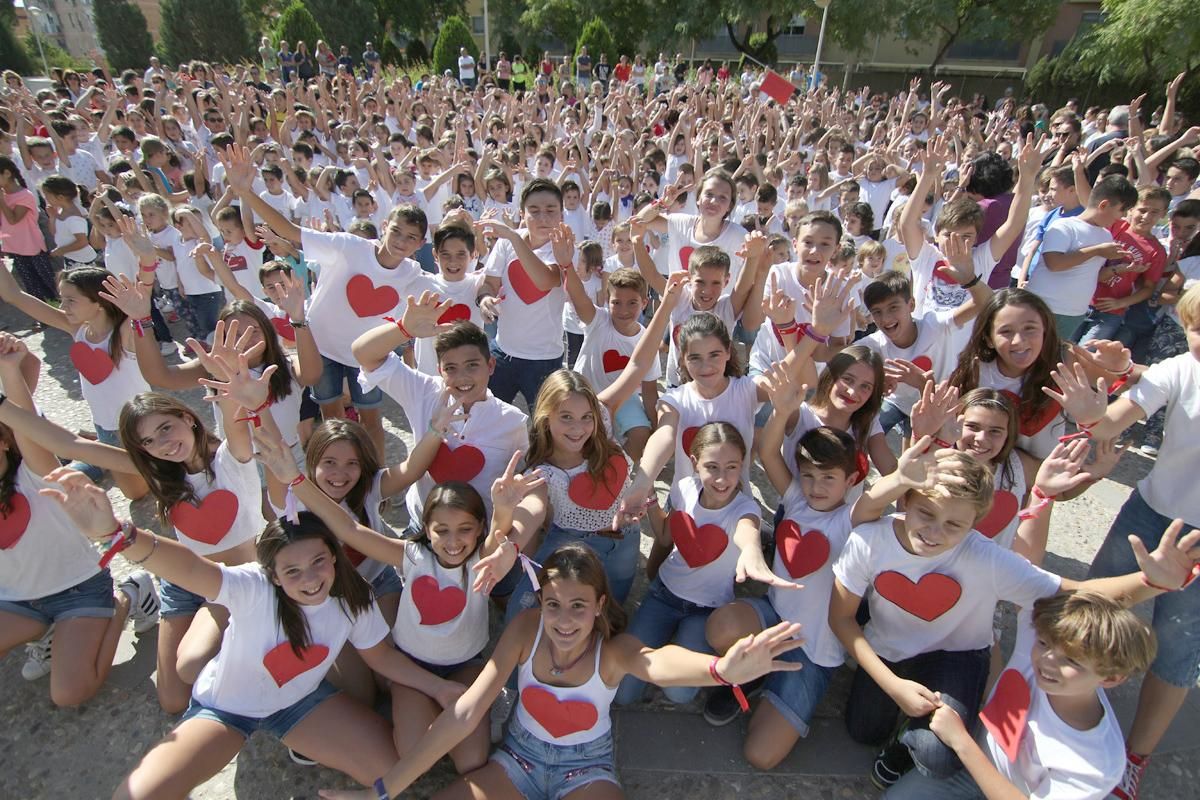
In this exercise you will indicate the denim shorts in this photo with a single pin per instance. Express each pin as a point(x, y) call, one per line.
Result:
point(279, 724)
point(1176, 614)
point(543, 771)
point(917, 786)
point(104, 436)
point(90, 598)
point(795, 695)
point(387, 582)
point(178, 601)
point(329, 388)
point(665, 618)
point(444, 671)
point(631, 414)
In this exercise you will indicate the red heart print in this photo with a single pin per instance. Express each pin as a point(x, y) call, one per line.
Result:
point(928, 598)
point(1004, 508)
point(685, 257)
point(559, 717)
point(939, 271)
point(94, 365)
point(283, 663)
point(1032, 423)
point(861, 467)
point(437, 604)
point(462, 463)
point(802, 552)
point(454, 313)
point(614, 361)
point(923, 363)
point(1007, 712)
point(600, 495)
point(283, 327)
point(208, 522)
point(689, 435)
point(368, 300)
point(14, 523)
point(527, 291)
point(354, 556)
point(699, 545)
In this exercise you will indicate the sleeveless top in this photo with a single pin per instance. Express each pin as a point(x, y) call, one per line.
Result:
point(581, 503)
point(563, 715)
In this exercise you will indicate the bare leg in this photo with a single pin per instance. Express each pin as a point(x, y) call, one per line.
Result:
point(635, 442)
point(188, 756)
point(334, 410)
point(770, 738)
point(82, 654)
point(16, 630)
point(347, 736)
point(174, 692)
point(372, 420)
point(489, 782)
point(729, 623)
point(597, 790)
point(201, 642)
point(352, 675)
point(1158, 704)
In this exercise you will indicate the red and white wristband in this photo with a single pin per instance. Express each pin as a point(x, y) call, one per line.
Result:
point(738, 694)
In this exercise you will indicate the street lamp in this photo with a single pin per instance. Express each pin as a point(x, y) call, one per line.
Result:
point(824, 6)
point(34, 10)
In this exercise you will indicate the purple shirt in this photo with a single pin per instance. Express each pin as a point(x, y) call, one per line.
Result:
point(995, 212)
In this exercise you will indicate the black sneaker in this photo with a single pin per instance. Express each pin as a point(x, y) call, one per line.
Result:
point(890, 765)
point(721, 707)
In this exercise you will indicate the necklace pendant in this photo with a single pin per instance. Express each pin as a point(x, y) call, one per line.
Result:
point(555, 671)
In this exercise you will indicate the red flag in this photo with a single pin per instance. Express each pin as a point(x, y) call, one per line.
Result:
point(777, 87)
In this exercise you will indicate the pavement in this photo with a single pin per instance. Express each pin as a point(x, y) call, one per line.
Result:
point(663, 752)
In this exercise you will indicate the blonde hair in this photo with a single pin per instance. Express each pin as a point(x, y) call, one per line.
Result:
point(1096, 630)
point(870, 248)
point(974, 483)
point(1188, 307)
point(597, 450)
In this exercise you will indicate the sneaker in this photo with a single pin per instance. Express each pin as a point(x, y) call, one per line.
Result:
point(1149, 448)
point(1135, 768)
point(721, 707)
point(890, 765)
point(37, 663)
point(300, 758)
point(502, 709)
point(167, 348)
point(143, 600)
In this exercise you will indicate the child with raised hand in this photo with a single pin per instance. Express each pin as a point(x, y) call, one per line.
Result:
point(712, 532)
point(456, 281)
point(687, 232)
point(68, 225)
point(442, 620)
point(53, 595)
point(570, 650)
point(102, 353)
point(929, 638)
point(292, 610)
point(588, 267)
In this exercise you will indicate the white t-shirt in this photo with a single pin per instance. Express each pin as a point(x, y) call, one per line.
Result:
point(571, 321)
point(942, 602)
point(681, 241)
point(702, 566)
point(461, 295)
point(119, 259)
point(807, 543)
point(244, 260)
point(735, 405)
point(466, 68)
point(65, 231)
point(106, 387)
point(354, 291)
point(1038, 435)
point(767, 349)
point(227, 510)
point(1069, 292)
point(441, 619)
point(606, 351)
point(1055, 761)
point(807, 421)
point(486, 439)
point(936, 348)
point(256, 673)
point(931, 291)
point(530, 325)
point(878, 195)
point(683, 311)
point(167, 274)
point(42, 551)
point(1170, 488)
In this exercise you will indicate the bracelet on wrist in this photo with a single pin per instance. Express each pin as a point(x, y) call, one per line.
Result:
point(140, 326)
point(254, 416)
point(1186, 582)
point(971, 283)
point(381, 792)
point(806, 329)
point(1040, 502)
point(153, 548)
point(399, 323)
point(738, 694)
point(298, 324)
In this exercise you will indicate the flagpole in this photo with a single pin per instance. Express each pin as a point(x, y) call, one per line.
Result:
point(824, 6)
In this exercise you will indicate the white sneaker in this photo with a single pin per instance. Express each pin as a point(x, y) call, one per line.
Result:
point(167, 348)
point(300, 758)
point(1149, 448)
point(37, 665)
point(502, 709)
point(143, 600)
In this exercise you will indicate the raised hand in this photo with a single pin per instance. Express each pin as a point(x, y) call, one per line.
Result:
point(446, 413)
point(901, 370)
point(291, 299)
point(85, 503)
point(785, 393)
point(778, 306)
point(1106, 454)
point(241, 385)
point(510, 488)
point(754, 656)
point(1062, 470)
point(562, 242)
point(830, 304)
point(130, 296)
point(274, 455)
point(1077, 397)
point(934, 411)
point(421, 315)
point(239, 168)
point(12, 350)
point(958, 253)
point(1174, 562)
point(135, 236)
point(1103, 355)
point(674, 289)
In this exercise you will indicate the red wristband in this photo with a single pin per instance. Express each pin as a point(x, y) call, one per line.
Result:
point(1186, 583)
point(399, 323)
point(738, 694)
point(807, 330)
point(299, 479)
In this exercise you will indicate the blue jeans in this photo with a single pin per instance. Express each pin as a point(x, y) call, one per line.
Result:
point(1102, 325)
point(1066, 326)
point(795, 695)
point(1137, 329)
point(104, 436)
point(960, 677)
point(178, 601)
point(915, 786)
point(543, 771)
point(387, 582)
point(279, 724)
point(890, 416)
point(1176, 614)
point(664, 618)
point(90, 598)
point(329, 388)
point(200, 312)
point(523, 376)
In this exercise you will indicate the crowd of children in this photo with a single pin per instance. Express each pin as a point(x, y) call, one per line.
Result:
point(926, 321)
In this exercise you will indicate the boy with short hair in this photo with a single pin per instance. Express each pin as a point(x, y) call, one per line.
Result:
point(457, 282)
point(1065, 198)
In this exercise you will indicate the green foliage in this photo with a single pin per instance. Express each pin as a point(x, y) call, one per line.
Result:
point(418, 53)
point(1144, 42)
point(419, 17)
point(763, 49)
point(13, 54)
point(453, 35)
point(55, 55)
point(209, 30)
point(121, 29)
point(944, 22)
point(564, 20)
point(597, 38)
point(346, 22)
point(296, 24)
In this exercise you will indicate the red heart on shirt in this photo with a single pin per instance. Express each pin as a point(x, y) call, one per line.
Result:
point(689, 435)
point(283, 327)
point(353, 555)
point(559, 717)
point(928, 598)
point(1007, 712)
point(803, 553)
point(685, 257)
point(454, 313)
point(941, 274)
point(861, 467)
point(462, 463)
point(368, 300)
point(614, 361)
point(923, 363)
point(1004, 508)
point(14, 523)
point(1032, 424)
point(283, 663)
point(599, 495)
point(527, 291)
point(699, 545)
point(437, 604)
point(94, 365)
point(208, 522)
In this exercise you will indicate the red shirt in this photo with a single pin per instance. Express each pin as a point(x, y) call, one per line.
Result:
point(621, 72)
point(1142, 250)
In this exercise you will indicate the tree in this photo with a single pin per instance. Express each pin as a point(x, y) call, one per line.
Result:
point(944, 22)
point(296, 24)
point(597, 39)
point(12, 54)
point(346, 22)
point(564, 20)
point(417, 17)
point(453, 36)
point(121, 29)
point(1145, 42)
point(209, 30)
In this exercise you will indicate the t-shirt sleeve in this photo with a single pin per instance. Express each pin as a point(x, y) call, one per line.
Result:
point(369, 628)
point(852, 567)
point(244, 590)
point(1018, 581)
point(1156, 386)
point(499, 256)
point(923, 265)
point(323, 248)
point(1058, 238)
point(396, 378)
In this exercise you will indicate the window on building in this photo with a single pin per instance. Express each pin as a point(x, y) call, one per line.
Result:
point(477, 25)
point(795, 26)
